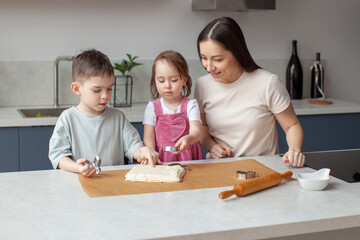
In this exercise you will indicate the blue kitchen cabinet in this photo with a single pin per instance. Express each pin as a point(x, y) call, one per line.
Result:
point(140, 128)
point(9, 149)
point(34, 148)
point(327, 132)
point(26, 148)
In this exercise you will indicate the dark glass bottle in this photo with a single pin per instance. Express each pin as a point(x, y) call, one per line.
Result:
point(294, 74)
point(317, 79)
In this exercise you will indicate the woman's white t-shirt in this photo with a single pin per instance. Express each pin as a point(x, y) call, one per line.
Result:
point(240, 114)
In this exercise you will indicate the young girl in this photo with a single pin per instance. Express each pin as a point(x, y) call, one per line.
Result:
point(173, 119)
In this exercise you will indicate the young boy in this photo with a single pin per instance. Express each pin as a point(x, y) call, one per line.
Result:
point(91, 128)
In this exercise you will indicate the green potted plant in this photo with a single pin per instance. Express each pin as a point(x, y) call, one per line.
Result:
point(122, 94)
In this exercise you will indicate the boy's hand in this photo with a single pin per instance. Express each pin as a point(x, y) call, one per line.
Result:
point(85, 169)
point(149, 156)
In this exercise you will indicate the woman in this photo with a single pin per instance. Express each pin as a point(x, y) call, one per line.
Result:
point(239, 102)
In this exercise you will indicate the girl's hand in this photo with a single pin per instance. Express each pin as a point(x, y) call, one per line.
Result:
point(294, 157)
point(87, 170)
point(149, 156)
point(182, 144)
point(220, 151)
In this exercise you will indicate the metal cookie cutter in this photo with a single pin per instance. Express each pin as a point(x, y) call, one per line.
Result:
point(170, 149)
point(96, 163)
point(243, 175)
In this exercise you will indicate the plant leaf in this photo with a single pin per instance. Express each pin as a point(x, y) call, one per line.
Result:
point(133, 59)
point(127, 65)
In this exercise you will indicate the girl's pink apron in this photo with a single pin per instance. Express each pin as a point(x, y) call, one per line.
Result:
point(169, 128)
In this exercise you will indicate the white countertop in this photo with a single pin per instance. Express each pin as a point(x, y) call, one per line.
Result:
point(10, 117)
point(302, 107)
point(51, 204)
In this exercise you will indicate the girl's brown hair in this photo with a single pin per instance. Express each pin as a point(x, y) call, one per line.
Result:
point(179, 62)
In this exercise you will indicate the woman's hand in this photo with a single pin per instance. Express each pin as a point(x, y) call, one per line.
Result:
point(219, 151)
point(294, 157)
point(87, 170)
point(294, 136)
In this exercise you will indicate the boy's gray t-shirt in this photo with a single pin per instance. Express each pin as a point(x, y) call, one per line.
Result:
point(110, 135)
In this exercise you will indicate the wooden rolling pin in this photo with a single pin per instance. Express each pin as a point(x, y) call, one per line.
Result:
point(256, 184)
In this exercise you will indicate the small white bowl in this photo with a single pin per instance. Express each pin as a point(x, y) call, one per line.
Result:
point(315, 181)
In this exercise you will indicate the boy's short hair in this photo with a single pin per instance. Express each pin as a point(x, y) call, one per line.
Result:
point(91, 63)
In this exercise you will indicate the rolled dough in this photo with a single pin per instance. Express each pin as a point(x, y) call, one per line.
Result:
point(161, 173)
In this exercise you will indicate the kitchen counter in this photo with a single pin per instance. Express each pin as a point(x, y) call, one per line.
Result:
point(51, 204)
point(10, 117)
point(302, 107)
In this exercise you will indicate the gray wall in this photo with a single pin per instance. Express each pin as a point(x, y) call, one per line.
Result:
point(34, 33)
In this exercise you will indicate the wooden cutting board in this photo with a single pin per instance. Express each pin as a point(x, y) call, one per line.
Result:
point(203, 175)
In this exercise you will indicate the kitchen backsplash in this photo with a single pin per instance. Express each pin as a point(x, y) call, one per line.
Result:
point(30, 83)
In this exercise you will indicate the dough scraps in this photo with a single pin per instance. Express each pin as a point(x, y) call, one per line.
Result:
point(161, 173)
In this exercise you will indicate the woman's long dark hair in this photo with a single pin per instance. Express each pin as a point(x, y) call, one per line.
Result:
point(227, 32)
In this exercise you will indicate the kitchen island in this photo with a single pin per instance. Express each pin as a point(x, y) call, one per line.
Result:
point(51, 204)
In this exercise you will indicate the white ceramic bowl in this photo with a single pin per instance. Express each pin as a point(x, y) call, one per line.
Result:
point(315, 181)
